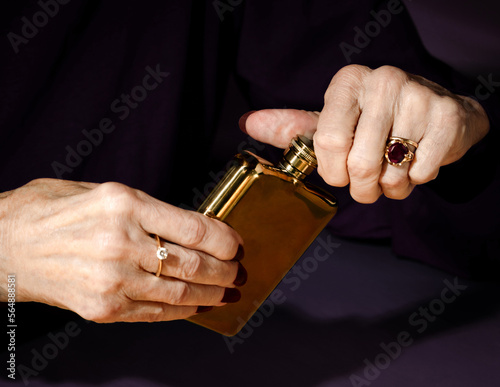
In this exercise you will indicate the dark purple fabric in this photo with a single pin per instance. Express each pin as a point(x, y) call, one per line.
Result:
point(67, 77)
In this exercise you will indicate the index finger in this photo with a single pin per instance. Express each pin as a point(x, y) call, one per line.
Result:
point(189, 229)
point(337, 124)
point(278, 126)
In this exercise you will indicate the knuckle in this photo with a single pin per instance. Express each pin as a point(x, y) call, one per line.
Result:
point(333, 179)
point(93, 314)
point(364, 197)
point(396, 195)
point(390, 73)
point(418, 95)
point(39, 181)
point(449, 106)
point(346, 82)
point(107, 283)
point(191, 266)
point(453, 116)
point(333, 142)
point(418, 176)
point(156, 315)
point(391, 183)
point(108, 301)
point(195, 231)
point(103, 311)
point(112, 188)
point(362, 169)
point(350, 72)
point(179, 293)
point(387, 80)
point(116, 198)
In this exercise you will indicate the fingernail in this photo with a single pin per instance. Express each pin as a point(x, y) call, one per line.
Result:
point(203, 309)
point(243, 121)
point(239, 254)
point(241, 277)
point(231, 295)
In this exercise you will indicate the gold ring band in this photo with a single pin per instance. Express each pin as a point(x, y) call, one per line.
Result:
point(404, 140)
point(161, 254)
point(398, 150)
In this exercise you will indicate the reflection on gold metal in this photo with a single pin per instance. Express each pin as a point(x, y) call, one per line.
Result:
point(278, 216)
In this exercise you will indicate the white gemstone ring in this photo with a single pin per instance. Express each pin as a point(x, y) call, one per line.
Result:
point(161, 253)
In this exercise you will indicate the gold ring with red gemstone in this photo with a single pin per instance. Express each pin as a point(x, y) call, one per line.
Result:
point(400, 150)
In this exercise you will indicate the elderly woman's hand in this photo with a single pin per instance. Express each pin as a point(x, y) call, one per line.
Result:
point(362, 109)
point(88, 248)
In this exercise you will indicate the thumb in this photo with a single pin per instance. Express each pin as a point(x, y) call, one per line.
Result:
point(278, 126)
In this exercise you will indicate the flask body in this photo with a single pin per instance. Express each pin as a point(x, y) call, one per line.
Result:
point(278, 217)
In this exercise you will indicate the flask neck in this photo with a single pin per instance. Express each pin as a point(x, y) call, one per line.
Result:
point(299, 159)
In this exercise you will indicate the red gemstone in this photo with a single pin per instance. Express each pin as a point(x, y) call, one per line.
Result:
point(397, 152)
